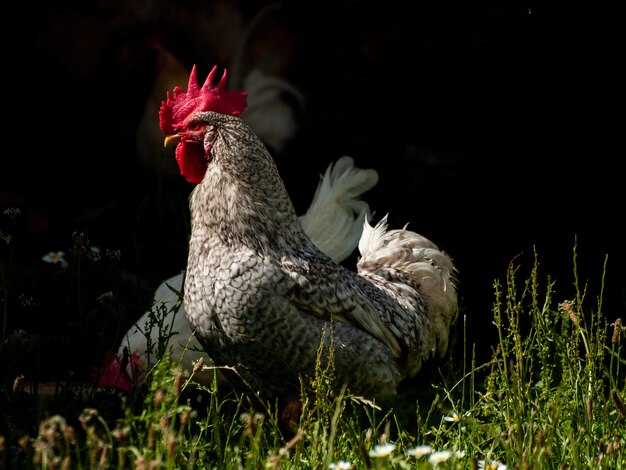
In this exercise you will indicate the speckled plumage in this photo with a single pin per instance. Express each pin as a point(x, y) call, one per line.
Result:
point(333, 221)
point(260, 294)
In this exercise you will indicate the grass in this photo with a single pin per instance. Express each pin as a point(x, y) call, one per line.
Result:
point(551, 395)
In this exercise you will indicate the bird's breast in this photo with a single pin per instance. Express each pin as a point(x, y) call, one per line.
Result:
point(227, 289)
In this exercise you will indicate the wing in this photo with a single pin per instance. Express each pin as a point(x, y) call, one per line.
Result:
point(323, 288)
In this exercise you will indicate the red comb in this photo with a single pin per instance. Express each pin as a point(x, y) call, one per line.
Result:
point(206, 98)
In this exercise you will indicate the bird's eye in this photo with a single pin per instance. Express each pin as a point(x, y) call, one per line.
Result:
point(196, 125)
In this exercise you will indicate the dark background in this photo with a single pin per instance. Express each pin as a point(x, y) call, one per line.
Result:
point(493, 126)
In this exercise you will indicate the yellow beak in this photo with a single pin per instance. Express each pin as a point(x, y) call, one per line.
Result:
point(171, 138)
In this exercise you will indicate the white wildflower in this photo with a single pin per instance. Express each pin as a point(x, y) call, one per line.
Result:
point(439, 456)
point(419, 451)
point(453, 418)
point(341, 465)
point(55, 257)
point(382, 450)
point(493, 465)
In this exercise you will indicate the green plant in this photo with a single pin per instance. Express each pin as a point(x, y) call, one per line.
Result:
point(550, 396)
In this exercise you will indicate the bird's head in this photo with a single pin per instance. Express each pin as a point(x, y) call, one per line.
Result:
point(179, 118)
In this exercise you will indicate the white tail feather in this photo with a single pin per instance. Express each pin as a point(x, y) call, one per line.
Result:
point(334, 220)
point(411, 261)
point(372, 237)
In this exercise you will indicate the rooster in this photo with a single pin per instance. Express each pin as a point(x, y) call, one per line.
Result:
point(264, 301)
point(334, 221)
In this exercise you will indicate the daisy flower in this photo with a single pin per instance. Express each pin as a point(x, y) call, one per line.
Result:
point(493, 465)
point(341, 465)
point(55, 257)
point(419, 451)
point(439, 456)
point(453, 418)
point(382, 450)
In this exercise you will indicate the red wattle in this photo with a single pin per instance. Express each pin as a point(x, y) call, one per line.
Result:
point(191, 161)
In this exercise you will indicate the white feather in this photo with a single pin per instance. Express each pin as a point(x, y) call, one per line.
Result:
point(422, 266)
point(334, 220)
point(372, 237)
